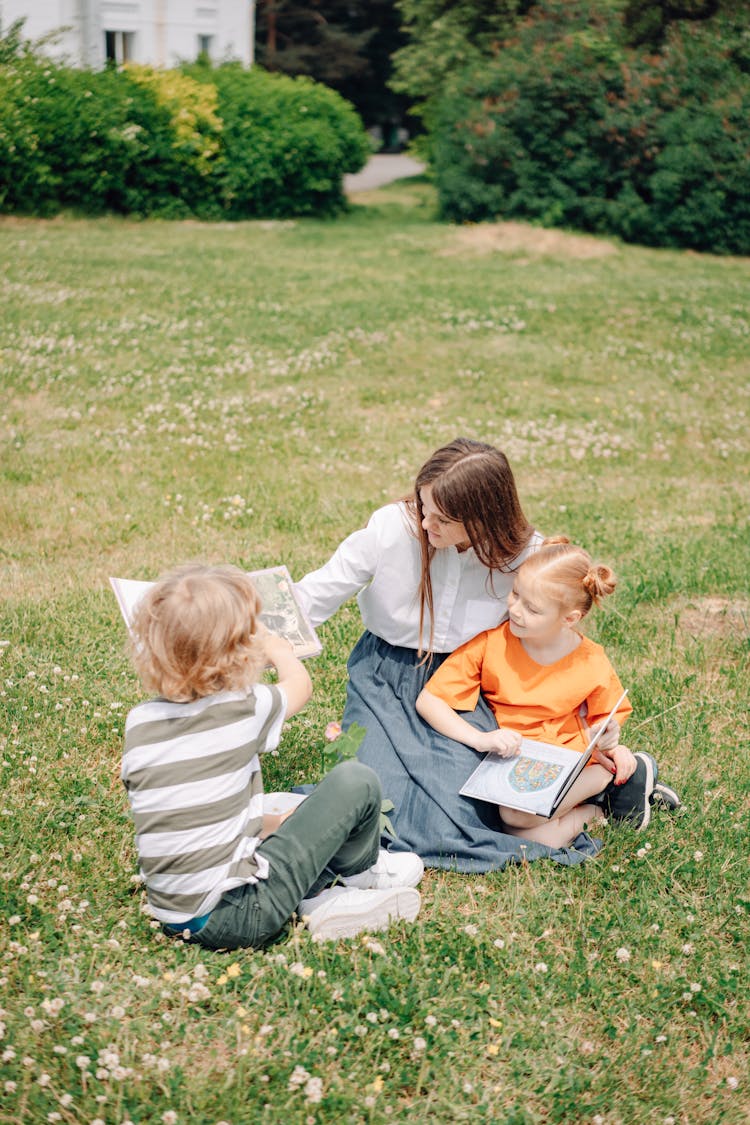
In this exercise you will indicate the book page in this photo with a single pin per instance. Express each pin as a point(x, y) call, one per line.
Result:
point(281, 612)
point(530, 782)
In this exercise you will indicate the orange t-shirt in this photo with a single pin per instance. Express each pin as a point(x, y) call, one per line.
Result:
point(540, 701)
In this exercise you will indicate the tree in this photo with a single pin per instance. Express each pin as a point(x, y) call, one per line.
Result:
point(345, 44)
point(445, 37)
point(646, 21)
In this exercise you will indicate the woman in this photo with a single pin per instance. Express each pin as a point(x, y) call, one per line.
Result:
point(430, 572)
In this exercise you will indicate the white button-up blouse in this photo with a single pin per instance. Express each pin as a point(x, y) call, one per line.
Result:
point(382, 565)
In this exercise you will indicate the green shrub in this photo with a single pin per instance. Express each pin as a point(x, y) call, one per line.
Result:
point(567, 127)
point(286, 144)
point(87, 140)
point(210, 143)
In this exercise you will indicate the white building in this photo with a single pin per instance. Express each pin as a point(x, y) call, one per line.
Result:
point(162, 33)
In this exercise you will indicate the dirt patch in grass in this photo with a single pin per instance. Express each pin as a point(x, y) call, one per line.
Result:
point(514, 238)
point(715, 617)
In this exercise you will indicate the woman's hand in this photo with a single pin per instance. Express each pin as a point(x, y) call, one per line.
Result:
point(506, 743)
point(619, 757)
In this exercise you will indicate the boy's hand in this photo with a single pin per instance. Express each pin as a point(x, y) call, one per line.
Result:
point(506, 743)
point(273, 821)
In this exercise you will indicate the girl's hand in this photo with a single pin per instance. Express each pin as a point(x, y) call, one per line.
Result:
point(502, 741)
point(611, 737)
point(621, 758)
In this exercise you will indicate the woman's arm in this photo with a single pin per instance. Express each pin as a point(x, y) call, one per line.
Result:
point(349, 568)
point(444, 719)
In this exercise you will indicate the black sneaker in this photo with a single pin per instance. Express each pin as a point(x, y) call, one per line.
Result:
point(631, 801)
point(665, 797)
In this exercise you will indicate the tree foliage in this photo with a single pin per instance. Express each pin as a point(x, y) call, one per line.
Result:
point(646, 21)
point(443, 38)
point(568, 126)
point(345, 44)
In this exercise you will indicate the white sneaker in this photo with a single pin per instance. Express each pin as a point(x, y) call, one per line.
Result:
point(391, 869)
point(342, 912)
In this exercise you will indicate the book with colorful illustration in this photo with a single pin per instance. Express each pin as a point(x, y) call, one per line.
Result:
point(281, 613)
point(537, 779)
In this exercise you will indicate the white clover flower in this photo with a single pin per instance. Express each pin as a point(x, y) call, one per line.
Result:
point(732, 1082)
point(623, 954)
point(540, 967)
point(314, 1090)
point(298, 1077)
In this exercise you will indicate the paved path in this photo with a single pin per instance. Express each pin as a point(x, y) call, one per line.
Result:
point(382, 169)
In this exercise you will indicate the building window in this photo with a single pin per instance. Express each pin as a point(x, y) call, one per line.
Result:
point(205, 45)
point(119, 46)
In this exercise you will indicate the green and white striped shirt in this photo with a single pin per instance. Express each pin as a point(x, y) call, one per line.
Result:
point(196, 794)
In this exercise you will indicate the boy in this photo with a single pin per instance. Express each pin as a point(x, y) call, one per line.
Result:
point(217, 872)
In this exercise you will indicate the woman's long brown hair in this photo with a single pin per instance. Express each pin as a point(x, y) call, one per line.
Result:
point(472, 483)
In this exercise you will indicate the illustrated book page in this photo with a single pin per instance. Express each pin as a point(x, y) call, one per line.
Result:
point(281, 612)
point(535, 781)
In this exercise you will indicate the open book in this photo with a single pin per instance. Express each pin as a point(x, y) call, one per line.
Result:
point(537, 780)
point(281, 612)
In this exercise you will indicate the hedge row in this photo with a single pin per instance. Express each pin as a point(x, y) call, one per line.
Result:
point(211, 143)
point(567, 127)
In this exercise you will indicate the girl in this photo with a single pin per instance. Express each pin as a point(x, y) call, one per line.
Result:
point(541, 676)
point(217, 871)
point(430, 572)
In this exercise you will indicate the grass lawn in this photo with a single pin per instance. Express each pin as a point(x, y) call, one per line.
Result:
point(250, 393)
